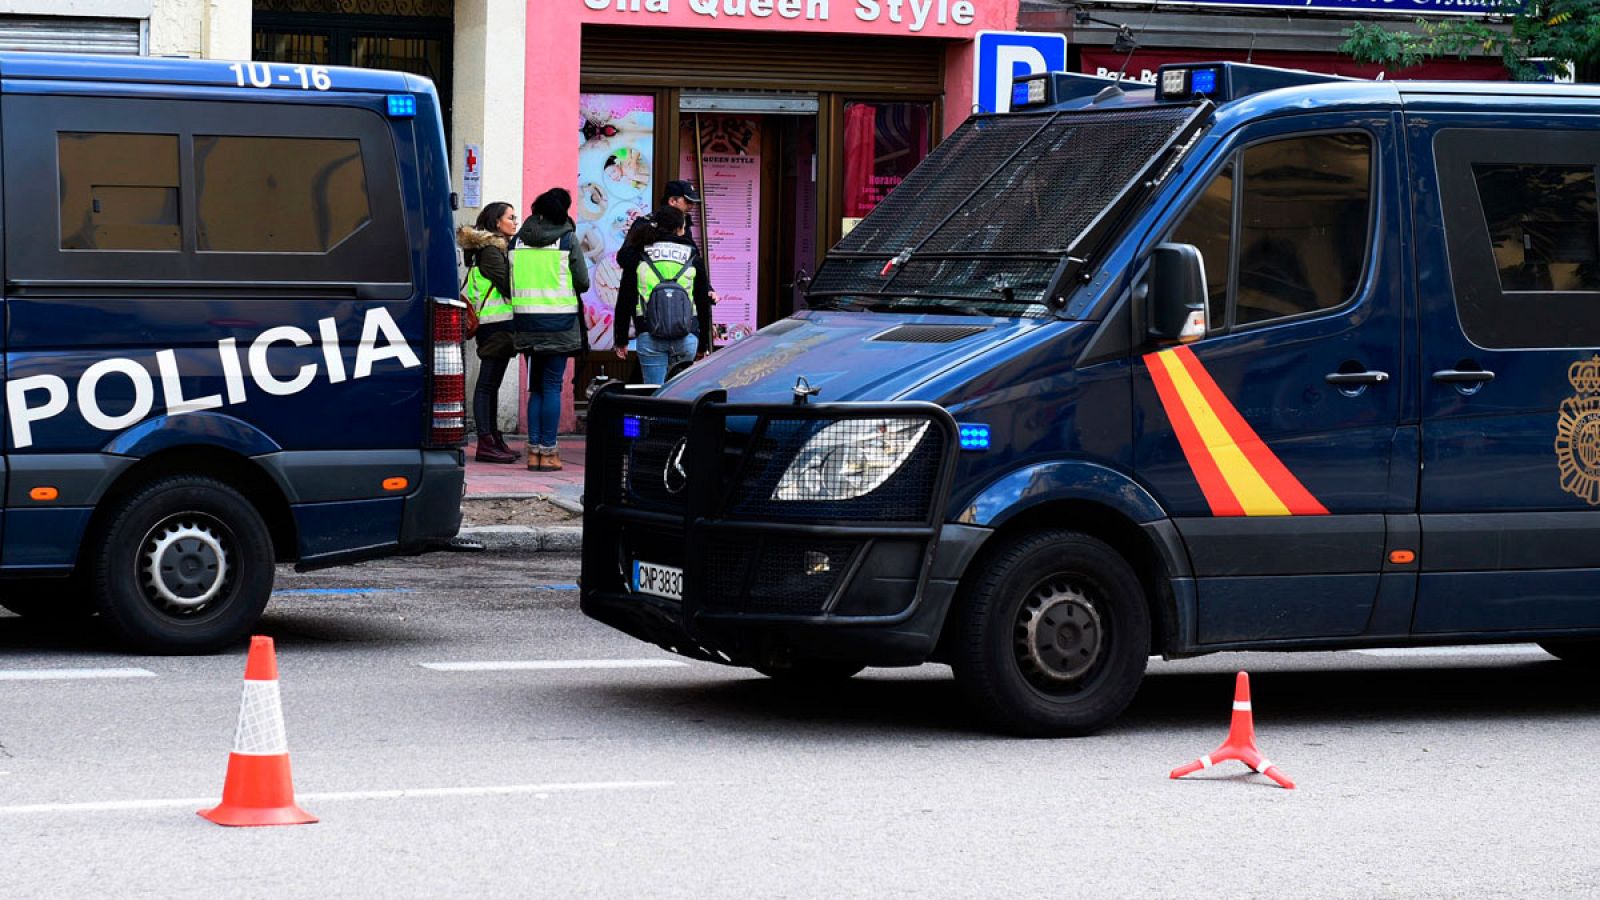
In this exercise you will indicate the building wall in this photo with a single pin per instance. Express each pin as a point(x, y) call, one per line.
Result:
point(487, 105)
point(209, 29)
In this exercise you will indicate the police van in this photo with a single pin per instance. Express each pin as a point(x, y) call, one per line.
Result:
point(232, 335)
point(1251, 359)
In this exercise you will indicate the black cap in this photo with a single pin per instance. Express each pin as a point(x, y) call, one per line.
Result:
point(684, 189)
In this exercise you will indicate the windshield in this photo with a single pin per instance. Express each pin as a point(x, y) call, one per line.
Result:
point(999, 210)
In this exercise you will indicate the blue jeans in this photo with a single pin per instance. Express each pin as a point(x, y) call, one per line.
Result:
point(545, 377)
point(657, 357)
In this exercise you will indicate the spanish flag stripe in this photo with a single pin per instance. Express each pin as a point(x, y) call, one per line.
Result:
point(1255, 495)
point(1215, 488)
point(1290, 492)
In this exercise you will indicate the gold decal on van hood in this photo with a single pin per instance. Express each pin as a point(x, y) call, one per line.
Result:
point(1578, 433)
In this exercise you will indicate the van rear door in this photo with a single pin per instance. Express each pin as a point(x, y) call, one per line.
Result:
point(1509, 280)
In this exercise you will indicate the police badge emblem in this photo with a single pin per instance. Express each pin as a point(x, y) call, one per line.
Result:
point(1578, 433)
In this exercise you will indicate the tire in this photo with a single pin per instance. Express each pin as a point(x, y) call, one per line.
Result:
point(46, 599)
point(1027, 681)
point(811, 672)
point(1577, 651)
point(215, 573)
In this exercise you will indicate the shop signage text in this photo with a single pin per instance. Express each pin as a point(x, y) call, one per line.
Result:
point(914, 14)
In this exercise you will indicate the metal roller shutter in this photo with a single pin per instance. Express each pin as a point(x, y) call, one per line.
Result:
point(69, 34)
point(763, 61)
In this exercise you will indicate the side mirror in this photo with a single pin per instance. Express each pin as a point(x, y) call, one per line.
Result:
point(1176, 294)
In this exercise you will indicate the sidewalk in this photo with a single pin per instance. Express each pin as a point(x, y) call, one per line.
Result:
point(485, 480)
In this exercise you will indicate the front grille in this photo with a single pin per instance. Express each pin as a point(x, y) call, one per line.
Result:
point(641, 464)
point(776, 576)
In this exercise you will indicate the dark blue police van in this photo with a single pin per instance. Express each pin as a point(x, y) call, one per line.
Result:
point(1250, 360)
point(232, 335)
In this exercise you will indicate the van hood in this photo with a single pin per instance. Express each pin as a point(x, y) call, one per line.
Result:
point(848, 355)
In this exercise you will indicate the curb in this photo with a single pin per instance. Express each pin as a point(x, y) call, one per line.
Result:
point(527, 538)
point(571, 506)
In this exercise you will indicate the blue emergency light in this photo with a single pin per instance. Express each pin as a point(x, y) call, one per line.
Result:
point(1203, 81)
point(974, 436)
point(402, 106)
point(631, 427)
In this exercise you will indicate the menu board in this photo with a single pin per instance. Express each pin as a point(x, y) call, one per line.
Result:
point(728, 170)
point(616, 148)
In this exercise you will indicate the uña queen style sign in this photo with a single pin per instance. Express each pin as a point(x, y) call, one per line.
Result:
point(915, 15)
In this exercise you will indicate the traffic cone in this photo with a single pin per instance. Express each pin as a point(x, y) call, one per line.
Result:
point(258, 789)
point(1241, 742)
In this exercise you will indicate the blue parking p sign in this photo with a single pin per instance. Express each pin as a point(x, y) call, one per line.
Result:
point(1003, 55)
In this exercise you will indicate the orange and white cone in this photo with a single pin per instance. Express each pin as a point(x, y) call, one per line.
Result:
point(1241, 742)
point(258, 789)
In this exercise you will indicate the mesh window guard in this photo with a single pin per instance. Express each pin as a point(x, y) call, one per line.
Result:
point(1001, 202)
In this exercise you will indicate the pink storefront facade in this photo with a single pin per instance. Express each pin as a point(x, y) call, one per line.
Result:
point(794, 118)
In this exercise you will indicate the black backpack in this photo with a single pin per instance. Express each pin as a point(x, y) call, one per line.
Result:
point(669, 311)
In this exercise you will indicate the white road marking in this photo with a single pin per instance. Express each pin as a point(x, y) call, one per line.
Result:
point(1490, 650)
point(71, 674)
point(540, 664)
point(335, 796)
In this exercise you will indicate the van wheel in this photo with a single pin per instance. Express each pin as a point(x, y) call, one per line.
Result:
point(1055, 634)
point(1579, 651)
point(185, 566)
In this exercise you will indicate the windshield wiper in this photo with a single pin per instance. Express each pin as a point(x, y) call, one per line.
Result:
point(938, 308)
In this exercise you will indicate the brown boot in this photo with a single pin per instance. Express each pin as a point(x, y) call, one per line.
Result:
point(535, 459)
point(489, 453)
point(551, 460)
point(500, 441)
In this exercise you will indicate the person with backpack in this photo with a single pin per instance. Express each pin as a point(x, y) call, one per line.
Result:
point(662, 297)
point(548, 276)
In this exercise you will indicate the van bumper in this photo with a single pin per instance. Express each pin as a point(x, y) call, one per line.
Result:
point(351, 530)
point(906, 637)
point(765, 580)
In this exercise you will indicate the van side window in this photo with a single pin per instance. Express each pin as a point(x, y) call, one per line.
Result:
point(1209, 227)
point(278, 195)
point(255, 197)
point(1296, 240)
point(1522, 225)
point(1543, 225)
point(118, 191)
point(1303, 225)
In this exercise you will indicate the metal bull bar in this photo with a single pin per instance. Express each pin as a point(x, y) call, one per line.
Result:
point(692, 484)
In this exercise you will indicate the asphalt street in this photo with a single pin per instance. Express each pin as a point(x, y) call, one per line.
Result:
point(462, 730)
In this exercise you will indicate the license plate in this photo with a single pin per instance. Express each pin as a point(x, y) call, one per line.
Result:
point(657, 580)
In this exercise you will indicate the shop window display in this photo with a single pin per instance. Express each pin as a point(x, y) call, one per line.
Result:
point(616, 150)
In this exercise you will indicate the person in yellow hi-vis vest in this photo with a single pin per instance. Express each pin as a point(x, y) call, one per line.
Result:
point(486, 249)
point(548, 275)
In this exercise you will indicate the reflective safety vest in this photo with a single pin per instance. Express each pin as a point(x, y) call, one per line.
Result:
point(485, 298)
point(541, 281)
point(672, 259)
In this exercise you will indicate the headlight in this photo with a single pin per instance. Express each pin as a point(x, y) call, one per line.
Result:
point(850, 458)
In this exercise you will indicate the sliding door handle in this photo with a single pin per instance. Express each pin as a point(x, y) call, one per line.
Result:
point(1463, 376)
